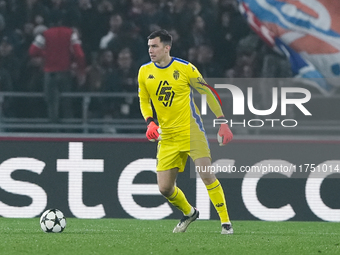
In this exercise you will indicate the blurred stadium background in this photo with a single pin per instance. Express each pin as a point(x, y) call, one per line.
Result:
point(224, 39)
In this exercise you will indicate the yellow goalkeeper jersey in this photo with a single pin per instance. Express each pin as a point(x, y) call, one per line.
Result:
point(170, 90)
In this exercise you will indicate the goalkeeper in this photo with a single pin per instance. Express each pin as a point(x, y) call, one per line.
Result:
point(167, 82)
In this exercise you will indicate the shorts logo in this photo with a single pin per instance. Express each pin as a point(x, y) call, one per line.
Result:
point(219, 205)
point(176, 75)
point(165, 93)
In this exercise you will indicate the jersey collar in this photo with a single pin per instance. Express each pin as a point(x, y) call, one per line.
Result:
point(163, 67)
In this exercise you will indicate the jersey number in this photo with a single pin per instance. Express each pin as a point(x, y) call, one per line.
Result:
point(165, 93)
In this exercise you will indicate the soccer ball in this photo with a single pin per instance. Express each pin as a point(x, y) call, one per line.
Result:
point(52, 221)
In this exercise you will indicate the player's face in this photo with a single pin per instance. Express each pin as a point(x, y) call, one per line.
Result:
point(157, 50)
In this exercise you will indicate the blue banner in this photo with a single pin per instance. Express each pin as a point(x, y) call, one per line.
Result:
point(306, 31)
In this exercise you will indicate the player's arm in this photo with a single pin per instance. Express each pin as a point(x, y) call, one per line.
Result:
point(224, 134)
point(197, 82)
point(153, 131)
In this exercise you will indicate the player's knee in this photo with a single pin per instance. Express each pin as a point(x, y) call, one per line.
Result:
point(166, 190)
point(208, 180)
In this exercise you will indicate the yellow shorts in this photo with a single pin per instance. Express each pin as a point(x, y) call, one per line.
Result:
point(173, 151)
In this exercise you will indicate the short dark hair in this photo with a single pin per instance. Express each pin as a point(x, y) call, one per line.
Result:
point(164, 36)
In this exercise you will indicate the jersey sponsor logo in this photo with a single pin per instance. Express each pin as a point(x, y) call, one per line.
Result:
point(151, 76)
point(176, 75)
point(165, 93)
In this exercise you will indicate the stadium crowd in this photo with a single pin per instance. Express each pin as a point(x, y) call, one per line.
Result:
point(211, 34)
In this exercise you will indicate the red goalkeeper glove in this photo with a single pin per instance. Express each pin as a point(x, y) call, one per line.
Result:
point(224, 134)
point(153, 132)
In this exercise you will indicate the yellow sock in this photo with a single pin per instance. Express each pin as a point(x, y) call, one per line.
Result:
point(216, 195)
point(179, 200)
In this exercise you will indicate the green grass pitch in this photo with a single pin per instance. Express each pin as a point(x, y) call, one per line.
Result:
point(131, 236)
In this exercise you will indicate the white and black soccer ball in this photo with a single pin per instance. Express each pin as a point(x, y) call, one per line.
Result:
point(52, 221)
